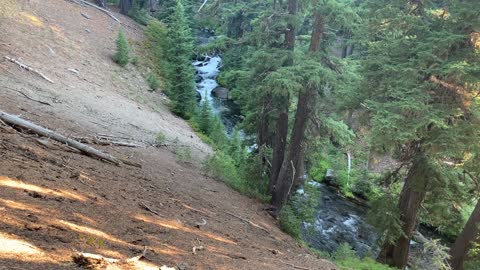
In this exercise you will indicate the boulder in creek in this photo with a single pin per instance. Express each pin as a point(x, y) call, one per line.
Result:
point(221, 92)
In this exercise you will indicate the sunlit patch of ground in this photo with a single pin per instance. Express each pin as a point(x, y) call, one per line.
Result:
point(174, 225)
point(8, 182)
point(12, 247)
point(31, 19)
point(8, 8)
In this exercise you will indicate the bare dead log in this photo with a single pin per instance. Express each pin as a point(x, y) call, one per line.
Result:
point(17, 121)
point(89, 260)
point(99, 8)
point(26, 67)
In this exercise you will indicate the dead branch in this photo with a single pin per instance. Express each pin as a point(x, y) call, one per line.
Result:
point(195, 248)
point(97, 7)
point(17, 121)
point(91, 261)
point(200, 224)
point(460, 93)
point(26, 67)
point(144, 206)
point(204, 2)
point(248, 221)
point(27, 97)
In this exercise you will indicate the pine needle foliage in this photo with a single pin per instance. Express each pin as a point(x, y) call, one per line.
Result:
point(122, 56)
point(180, 83)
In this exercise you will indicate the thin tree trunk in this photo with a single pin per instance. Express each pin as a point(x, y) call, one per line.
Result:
point(412, 195)
point(264, 122)
point(463, 244)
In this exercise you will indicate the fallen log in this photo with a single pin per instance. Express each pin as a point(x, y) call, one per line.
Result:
point(93, 261)
point(17, 121)
point(99, 8)
point(26, 67)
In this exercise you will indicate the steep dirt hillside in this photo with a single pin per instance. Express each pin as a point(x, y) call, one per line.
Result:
point(56, 202)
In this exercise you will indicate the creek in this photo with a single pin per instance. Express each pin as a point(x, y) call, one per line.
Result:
point(207, 69)
point(337, 219)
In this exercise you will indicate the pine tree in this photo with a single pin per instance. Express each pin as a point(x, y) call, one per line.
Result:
point(419, 98)
point(204, 116)
point(122, 57)
point(181, 88)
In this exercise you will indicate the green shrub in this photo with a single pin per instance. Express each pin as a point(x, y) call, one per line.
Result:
point(139, 15)
point(161, 138)
point(184, 154)
point(156, 45)
point(222, 167)
point(153, 81)
point(346, 258)
point(290, 222)
point(122, 57)
point(135, 61)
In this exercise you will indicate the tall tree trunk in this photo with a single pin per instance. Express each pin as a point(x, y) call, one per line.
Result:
point(125, 6)
point(279, 144)
point(463, 244)
point(412, 195)
point(292, 162)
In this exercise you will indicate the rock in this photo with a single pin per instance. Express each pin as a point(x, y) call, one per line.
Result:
point(199, 96)
point(198, 78)
point(330, 176)
point(221, 92)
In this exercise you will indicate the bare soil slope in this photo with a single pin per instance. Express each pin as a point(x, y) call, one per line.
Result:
point(55, 202)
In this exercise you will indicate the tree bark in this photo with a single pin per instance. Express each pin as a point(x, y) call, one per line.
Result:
point(290, 31)
point(317, 33)
point(463, 244)
point(279, 144)
point(292, 162)
point(125, 6)
point(280, 141)
point(412, 195)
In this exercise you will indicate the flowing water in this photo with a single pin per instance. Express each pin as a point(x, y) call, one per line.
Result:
point(207, 69)
point(337, 219)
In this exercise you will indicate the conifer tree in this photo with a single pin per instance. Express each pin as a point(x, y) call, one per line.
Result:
point(122, 57)
point(181, 88)
point(419, 97)
point(204, 116)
